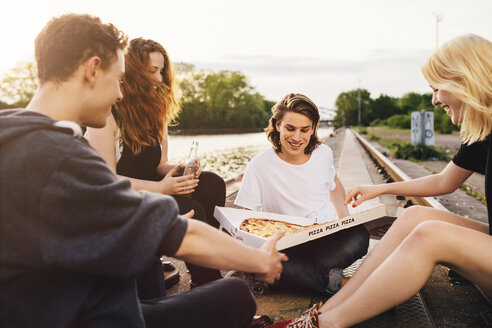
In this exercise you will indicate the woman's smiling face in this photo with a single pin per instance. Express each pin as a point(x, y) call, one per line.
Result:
point(450, 103)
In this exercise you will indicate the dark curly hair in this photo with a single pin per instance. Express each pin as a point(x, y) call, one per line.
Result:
point(296, 103)
point(69, 40)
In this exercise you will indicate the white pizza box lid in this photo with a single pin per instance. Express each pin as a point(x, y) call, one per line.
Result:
point(230, 219)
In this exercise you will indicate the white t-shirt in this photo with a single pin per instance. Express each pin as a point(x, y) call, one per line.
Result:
point(270, 184)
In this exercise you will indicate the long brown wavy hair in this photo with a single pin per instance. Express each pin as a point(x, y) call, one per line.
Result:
point(147, 106)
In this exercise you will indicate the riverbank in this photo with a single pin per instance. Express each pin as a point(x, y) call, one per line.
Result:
point(195, 132)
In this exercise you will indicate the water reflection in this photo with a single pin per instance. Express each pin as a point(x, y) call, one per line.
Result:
point(227, 154)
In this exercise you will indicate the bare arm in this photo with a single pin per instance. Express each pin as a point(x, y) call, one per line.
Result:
point(337, 197)
point(436, 184)
point(103, 140)
point(207, 246)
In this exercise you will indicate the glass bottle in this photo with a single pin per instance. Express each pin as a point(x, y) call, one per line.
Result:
point(191, 164)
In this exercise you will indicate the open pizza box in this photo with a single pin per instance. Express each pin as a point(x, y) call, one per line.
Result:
point(230, 219)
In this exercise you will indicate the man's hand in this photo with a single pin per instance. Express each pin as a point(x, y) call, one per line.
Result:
point(275, 259)
point(189, 215)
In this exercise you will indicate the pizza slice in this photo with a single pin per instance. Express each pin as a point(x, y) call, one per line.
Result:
point(266, 228)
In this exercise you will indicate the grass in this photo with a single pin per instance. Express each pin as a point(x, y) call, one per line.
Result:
point(390, 138)
point(398, 143)
point(475, 194)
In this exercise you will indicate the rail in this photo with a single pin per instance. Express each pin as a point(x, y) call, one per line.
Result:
point(395, 173)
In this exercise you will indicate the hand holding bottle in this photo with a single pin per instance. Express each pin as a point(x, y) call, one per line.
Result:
point(178, 185)
point(192, 164)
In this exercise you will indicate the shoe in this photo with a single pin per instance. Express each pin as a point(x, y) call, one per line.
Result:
point(257, 286)
point(309, 319)
point(168, 266)
point(260, 321)
point(171, 274)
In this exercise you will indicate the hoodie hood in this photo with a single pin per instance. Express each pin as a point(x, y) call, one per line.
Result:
point(15, 124)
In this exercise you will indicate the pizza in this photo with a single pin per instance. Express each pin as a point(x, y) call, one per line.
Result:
point(266, 228)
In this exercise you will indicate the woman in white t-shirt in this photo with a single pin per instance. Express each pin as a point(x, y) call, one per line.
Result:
point(297, 177)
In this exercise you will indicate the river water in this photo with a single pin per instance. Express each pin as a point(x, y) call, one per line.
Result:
point(224, 154)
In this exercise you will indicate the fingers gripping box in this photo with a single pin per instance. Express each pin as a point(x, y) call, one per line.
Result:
point(230, 219)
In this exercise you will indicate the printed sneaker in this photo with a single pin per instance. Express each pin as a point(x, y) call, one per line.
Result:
point(309, 319)
point(257, 286)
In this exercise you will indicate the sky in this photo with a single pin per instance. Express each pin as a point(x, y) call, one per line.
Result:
point(318, 48)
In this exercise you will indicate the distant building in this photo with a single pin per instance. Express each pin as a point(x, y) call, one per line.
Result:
point(326, 114)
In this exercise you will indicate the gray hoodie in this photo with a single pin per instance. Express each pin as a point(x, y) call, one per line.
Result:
point(72, 235)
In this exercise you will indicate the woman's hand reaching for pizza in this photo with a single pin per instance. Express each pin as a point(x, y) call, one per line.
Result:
point(274, 259)
point(360, 194)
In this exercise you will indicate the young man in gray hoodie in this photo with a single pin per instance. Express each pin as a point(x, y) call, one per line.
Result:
point(72, 235)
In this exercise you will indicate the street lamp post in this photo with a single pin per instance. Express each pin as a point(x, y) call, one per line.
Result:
point(358, 104)
point(439, 18)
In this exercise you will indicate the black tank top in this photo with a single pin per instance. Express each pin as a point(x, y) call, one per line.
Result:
point(142, 166)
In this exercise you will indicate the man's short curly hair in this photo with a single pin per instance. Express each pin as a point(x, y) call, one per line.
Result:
point(296, 103)
point(69, 40)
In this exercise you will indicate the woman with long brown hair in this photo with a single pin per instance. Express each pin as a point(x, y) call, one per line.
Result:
point(134, 144)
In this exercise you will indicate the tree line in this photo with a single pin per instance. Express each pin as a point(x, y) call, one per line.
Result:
point(226, 100)
point(387, 110)
point(210, 100)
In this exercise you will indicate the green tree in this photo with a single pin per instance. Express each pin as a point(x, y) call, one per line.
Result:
point(18, 85)
point(219, 100)
point(411, 102)
point(347, 108)
point(383, 107)
point(426, 102)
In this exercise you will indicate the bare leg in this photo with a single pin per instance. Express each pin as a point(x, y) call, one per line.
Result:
point(400, 229)
point(431, 242)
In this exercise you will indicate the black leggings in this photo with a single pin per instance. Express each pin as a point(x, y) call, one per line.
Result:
point(210, 192)
point(225, 303)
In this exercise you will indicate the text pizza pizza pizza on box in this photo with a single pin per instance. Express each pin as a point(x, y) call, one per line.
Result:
point(257, 226)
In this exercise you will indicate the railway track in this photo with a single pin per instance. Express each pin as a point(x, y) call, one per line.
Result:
point(477, 306)
point(391, 172)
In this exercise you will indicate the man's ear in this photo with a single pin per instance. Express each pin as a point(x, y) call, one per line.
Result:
point(277, 125)
point(92, 67)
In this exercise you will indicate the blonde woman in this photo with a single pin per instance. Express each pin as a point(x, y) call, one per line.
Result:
point(460, 75)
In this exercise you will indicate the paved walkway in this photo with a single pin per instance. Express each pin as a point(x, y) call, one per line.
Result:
point(352, 170)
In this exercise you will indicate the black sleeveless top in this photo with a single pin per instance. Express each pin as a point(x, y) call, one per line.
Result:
point(142, 166)
point(477, 157)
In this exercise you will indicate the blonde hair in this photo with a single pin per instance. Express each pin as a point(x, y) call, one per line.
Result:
point(463, 67)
